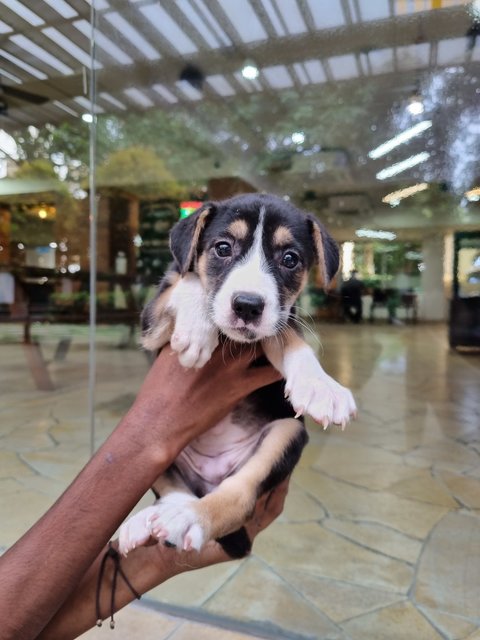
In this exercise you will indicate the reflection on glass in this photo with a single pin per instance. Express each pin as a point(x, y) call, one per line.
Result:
point(365, 114)
point(468, 267)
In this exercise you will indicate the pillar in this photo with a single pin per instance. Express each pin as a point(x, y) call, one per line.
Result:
point(433, 303)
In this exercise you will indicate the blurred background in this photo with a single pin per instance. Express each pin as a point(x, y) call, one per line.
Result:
point(119, 116)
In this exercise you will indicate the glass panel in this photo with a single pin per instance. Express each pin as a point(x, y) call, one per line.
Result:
point(467, 276)
point(44, 262)
point(366, 116)
point(469, 272)
point(370, 139)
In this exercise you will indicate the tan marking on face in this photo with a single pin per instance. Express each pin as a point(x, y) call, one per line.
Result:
point(238, 229)
point(291, 300)
point(196, 235)
point(282, 236)
point(201, 269)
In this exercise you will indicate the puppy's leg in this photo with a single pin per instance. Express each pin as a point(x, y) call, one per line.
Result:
point(179, 314)
point(138, 529)
point(309, 388)
point(157, 321)
point(226, 509)
point(195, 337)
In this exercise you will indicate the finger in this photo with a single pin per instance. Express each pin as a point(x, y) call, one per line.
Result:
point(279, 492)
point(271, 505)
point(276, 498)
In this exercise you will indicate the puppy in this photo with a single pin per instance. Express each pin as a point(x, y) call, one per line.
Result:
point(239, 267)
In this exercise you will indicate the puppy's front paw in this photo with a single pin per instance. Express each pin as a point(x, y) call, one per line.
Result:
point(322, 398)
point(177, 524)
point(194, 342)
point(135, 531)
point(194, 337)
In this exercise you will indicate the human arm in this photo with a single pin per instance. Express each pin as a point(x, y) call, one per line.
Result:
point(172, 407)
point(146, 568)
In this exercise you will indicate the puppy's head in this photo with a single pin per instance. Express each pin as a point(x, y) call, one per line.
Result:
point(252, 254)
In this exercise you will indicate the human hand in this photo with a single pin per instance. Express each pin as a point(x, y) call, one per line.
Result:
point(267, 509)
point(174, 404)
point(147, 567)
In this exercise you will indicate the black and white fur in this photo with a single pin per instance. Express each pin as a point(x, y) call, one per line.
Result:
point(239, 267)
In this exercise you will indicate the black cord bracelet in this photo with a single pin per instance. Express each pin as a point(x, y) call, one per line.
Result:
point(117, 569)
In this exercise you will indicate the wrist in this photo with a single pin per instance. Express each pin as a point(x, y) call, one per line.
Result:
point(147, 437)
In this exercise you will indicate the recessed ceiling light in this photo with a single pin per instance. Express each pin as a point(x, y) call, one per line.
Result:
point(87, 117)
point(298, 137)
point(415, 106)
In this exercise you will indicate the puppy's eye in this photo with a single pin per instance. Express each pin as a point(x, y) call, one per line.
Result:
point(223, 249)
point(290, 260)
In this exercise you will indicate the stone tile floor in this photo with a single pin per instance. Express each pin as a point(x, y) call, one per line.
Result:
point(380, 537)
point(138, 621)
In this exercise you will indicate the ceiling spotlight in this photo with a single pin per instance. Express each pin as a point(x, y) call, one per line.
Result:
point(415, 105)
point(298, 137)
point(250, 70)
point(87, 117)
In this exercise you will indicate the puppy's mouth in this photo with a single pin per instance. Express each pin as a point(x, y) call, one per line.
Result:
point(241, 334)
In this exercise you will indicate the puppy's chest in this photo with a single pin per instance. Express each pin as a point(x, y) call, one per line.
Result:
point(219, 452)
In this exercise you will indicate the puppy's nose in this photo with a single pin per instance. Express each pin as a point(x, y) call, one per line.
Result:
point(248, 306)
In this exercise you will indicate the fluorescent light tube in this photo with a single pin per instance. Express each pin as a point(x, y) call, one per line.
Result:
point(403, 137)
point(394, 169)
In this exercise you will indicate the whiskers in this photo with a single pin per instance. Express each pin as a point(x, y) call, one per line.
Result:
point(250, 348)
point(301, 323)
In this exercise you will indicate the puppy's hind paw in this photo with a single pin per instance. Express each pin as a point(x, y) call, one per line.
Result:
point(135, 532)
point(178, 526)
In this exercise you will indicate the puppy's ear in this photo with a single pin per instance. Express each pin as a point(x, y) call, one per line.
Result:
point(326, 251)
point(185, 235)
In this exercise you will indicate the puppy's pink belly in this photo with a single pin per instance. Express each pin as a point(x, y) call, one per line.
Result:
point(217, 454)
